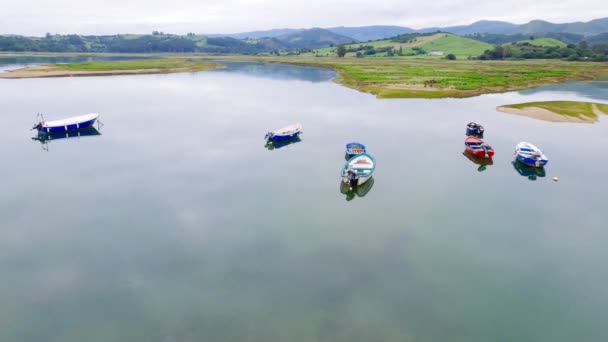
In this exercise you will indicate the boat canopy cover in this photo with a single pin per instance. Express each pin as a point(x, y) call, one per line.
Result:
point(71, 121)
point(288, 129)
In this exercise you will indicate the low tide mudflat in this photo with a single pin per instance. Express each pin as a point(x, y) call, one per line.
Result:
point(107, 68)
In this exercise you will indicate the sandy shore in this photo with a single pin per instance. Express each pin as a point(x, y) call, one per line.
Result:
point(50, 71)
point(547, 115)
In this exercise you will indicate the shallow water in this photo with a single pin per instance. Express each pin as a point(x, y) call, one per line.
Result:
point(176, 223)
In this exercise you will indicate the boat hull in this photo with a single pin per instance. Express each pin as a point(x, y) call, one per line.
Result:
point(531, 161)
point(481, 153)
point(65, 128)
point(284, 137)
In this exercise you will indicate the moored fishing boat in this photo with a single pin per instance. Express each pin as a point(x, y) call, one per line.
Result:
point(287, 132)
point(475, 130)
point(67, 124)
point(273, 145)
point(478, 147)
point(530, 155)
point(358, 169)
point(353, 149)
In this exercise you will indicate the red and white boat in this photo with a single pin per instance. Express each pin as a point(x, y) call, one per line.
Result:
point(478, 147)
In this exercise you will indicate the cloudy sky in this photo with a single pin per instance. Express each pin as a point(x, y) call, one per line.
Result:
point(36, 17)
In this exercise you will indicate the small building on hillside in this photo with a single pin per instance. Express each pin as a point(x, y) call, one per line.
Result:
point(435, 53)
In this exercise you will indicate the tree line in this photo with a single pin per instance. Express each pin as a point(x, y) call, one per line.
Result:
point(156, 42)
point(525, 50)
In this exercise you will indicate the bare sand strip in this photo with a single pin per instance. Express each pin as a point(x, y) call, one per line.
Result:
point(596, 110)
point(547, 115)
point(49, 71)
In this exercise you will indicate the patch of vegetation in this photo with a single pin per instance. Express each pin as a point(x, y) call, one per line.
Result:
point(543, 42)
point(526, 50)
point(568, 108)
point(434, 78)
point(139, 64)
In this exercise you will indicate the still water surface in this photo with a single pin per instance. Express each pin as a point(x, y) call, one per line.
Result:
point(176, 223)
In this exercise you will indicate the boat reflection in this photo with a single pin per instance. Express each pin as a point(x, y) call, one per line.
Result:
point(46, 138)
point(528, 171)
point(272, 145)
point(482, 162)
point(358, 190)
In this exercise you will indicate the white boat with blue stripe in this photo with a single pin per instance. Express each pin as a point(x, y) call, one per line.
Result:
point(358, 169)
point(288, 132)
point(530, 154)
point(64, 125)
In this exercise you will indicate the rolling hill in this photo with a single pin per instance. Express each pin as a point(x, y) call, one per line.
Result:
point(543, 42)
point(416, 45)
point(312, 39)
point(366, 33)
point(589, 28)
point(374, 32)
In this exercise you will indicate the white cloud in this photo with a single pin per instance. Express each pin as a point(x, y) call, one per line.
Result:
point(35, 17)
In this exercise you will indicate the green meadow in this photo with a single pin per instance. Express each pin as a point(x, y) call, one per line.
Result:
point(437, 78)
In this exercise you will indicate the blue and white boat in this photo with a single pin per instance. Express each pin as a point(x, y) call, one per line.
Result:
point(68, 124)
point(284, 133)
point(353, 149)
point(358, 169)
point(530, 155)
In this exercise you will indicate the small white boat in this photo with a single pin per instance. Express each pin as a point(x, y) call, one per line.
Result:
point(530, 154)
point(358, 169)
point(284, 133)
point(68, 124)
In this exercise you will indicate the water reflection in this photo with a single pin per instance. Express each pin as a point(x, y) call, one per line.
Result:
point(278, 71)
point(482, 162)
point(46, 138)
point(272, 145)
point(596, 90)
point(528, 171)
point(359, 190)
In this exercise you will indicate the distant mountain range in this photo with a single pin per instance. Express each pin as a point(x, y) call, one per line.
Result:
point(365, 33)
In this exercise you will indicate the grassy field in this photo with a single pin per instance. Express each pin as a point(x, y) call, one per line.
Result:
point(575, 109)
point(446, 42)
point(139, 64)
point(459, 46)
point(543, 42)
point(432, 78)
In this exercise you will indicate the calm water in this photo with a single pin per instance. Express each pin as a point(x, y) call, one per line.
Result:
point(177, 224)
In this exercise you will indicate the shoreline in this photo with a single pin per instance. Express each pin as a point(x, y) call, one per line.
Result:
point(48, 72)
point(535, 111)
point(384, 78)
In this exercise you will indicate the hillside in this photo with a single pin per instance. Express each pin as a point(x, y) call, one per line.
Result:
point(459, 46)
point(592, 27)
point(254, 34)
point(375, 32)
point(366, 33)
point(482, 26)
point(312, 39)
point(543, 42)
point(415, 45)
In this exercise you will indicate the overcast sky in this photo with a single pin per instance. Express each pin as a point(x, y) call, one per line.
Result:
point(36, 17)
